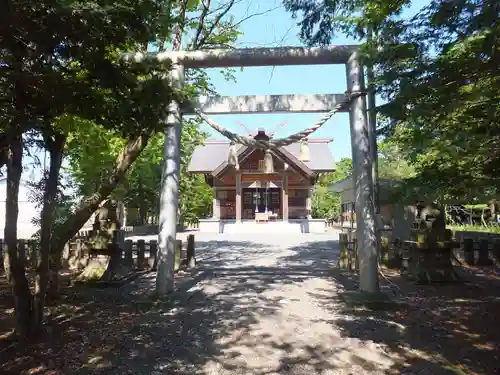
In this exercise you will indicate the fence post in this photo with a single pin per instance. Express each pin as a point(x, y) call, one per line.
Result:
point(496, 250)
point(191, 256)
point(153, 250)
point(484, 253)
point(468, 245)
point(343, 257)
point(177, 254)
point(129, 258)
point(141, 249)
point(183, 254)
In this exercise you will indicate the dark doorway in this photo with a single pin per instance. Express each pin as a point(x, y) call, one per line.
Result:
point(261, 198)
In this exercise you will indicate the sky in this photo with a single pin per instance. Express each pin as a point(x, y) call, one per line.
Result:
point(277, 28)
point(272, 29)
point(272, 26)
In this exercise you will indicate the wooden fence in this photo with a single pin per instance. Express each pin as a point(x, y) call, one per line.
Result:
point(144, 230)
point(27, 251)
point(135, 254)
point(478, 248)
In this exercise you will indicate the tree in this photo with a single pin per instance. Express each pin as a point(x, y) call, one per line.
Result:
point(449, 98)
point(326, 203)
point(198, 25)
point(392, 162)
point(211, 28)
point(438, 71)
point(59, 58)
point(97, 146)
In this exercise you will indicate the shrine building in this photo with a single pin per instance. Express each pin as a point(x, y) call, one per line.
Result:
point(262, 191)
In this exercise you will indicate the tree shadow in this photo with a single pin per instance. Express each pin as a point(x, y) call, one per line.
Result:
point(437, 329)
point(262, 308)
point(83, 321)
point(242, 314)
point(222, 317)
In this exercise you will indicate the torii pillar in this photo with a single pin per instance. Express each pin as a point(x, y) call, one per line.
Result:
point(361, 138)
point(363, 182)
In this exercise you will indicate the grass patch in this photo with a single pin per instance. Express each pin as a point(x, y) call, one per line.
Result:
point(474, 228)
point(91, 274)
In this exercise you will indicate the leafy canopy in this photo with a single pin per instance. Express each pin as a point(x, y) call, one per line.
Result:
point(438, 71)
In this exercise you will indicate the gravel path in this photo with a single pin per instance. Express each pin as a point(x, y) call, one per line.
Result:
point(258, 305)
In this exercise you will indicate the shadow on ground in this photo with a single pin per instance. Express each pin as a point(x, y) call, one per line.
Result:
point(210, 324)
point(260, 308)
point(222, 323)
point(437, 329)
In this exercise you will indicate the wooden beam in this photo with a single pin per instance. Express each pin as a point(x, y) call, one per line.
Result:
point(226, 58)
point(292, 103)
point(284, 199)
point(238, 198)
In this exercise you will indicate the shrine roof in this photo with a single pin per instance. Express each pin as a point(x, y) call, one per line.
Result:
point(208, 157)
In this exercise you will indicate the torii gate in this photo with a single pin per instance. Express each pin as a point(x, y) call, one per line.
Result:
point(362, 135)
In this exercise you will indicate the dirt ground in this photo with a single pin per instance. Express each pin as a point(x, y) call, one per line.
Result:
point(439, 329)
point(84, 325)
point(238, 303)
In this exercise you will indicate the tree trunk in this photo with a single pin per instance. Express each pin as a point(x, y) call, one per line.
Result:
point(64, 232)
point(48, 266)
point(143, 214)
point(4, 149)
point(16, 274)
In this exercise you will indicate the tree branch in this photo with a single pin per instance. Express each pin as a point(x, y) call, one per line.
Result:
point(215, 23)
point(176, 43)
point(246, 18)
point(161, 44)
point(201, 23)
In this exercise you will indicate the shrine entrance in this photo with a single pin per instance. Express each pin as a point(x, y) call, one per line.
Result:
point(363, 138)
point(261, 200)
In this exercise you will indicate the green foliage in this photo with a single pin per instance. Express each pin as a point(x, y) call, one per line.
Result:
point(392, 166)
point(60, 57)
point(438, 70)
point(64, 202)
point(392, 163)
point(92, 150)
point(326, 203)
point(144, 180)
point(195, 194)
point(321, 20)
point(92, 153)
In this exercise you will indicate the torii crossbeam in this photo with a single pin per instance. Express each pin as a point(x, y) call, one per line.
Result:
point(361, 136)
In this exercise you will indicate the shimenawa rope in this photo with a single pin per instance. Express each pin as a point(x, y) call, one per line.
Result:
point(280, 142)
